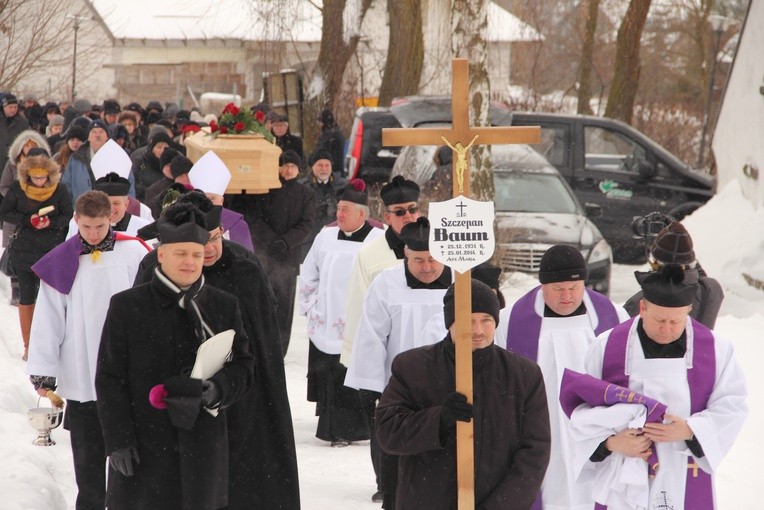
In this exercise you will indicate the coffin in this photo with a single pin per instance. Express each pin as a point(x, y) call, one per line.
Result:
point(252, 160)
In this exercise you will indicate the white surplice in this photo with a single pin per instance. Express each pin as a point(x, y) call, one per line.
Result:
point(323, 280)
point(66, 329)
point(665, 380)
point(563, 342)
point(393, 319)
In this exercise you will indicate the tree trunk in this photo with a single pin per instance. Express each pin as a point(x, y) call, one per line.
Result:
point(587, 57)
point(405, 55)
point(623, 90)
point(333, 56)
point(469, 23)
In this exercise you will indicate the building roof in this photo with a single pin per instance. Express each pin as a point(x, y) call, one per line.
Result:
point(250, 21)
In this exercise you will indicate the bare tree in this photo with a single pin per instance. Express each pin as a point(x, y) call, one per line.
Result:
point(469, 24)
point(623, 90)
point(405, 55)
point(31, 34)
point(339, 38)
point(587, 56)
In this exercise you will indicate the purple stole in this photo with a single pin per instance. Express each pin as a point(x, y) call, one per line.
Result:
point(525, 324)
point(58, 268)
point(698, 494)
point(237, 228)
point(133, 206)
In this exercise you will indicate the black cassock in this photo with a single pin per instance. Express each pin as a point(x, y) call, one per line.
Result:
point(260, 433)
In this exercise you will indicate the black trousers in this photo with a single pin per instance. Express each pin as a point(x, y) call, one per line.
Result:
point(283, 280)
point(81, 420)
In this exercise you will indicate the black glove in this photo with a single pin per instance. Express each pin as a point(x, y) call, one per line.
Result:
point(210, 393)
point(455, 408)
point(276, 248)
point(122, 460)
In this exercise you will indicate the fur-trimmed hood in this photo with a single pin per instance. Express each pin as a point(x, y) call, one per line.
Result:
point(54, 171)
point(24, 136)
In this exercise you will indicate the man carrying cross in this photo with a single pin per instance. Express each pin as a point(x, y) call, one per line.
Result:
point(418, 411)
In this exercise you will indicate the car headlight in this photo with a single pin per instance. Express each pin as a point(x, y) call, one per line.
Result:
point(600, 252)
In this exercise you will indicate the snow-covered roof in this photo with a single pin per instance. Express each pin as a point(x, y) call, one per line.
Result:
point(250, 21)
point(205, 19)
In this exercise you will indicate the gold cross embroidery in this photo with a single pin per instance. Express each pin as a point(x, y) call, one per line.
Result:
point(694, 466)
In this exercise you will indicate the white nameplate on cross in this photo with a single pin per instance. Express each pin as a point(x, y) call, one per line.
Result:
point(461, 232)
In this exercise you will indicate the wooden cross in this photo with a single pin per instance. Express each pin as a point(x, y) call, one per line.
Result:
point(460, 136)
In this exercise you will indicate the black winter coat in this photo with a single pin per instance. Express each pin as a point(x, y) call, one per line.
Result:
point(511, 426)
point(147, 339)
point(31, 244)
point(287, 213)
point(291, 142)
point(145, 170)
point(326, 205)
point(8, 133)
point(333, 141)
point(260, 431)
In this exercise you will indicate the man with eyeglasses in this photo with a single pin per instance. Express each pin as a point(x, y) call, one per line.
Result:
point(260, 424)
point(396, 309)
point(674, 246)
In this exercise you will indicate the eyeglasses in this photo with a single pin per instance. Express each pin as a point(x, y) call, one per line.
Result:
point(402, 212)
point(215, 238)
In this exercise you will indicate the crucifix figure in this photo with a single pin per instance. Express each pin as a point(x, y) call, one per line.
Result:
point(461, 137)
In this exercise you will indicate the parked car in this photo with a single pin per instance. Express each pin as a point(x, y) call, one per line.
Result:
point(605, 162)
point(608, 162)
point(535, 209)
point(366, 158)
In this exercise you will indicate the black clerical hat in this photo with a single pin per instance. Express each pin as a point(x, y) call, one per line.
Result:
point(113, 185)
point(416, 235)
point(667, 287)
point(183, 223)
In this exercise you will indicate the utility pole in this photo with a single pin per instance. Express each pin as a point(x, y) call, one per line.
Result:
point(76, 27)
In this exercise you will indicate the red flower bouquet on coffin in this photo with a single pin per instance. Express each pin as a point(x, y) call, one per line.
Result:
point(237, 121)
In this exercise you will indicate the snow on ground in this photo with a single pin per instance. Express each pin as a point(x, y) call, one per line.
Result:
point(38, 478)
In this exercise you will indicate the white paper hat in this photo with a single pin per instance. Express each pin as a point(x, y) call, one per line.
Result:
point(210, 174)
point(111, 158)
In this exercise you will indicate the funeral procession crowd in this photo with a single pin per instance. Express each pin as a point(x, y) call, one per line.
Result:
point(160, 309)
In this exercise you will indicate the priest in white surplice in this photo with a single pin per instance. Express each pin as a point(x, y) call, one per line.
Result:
point(77, 281)
point(671, 358)
point(324, 274)
point(398, 305)
point(553, 324)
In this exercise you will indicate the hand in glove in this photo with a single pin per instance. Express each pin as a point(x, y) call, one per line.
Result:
point(276, 248)
point(39, 222)
point(122, 460)
point(210, 393)
point(455, 408)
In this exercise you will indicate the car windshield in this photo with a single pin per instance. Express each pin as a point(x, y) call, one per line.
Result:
point(532, 192)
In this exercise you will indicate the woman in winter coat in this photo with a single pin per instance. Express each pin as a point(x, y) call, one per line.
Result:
point(146, 167)
point(18, 151)
point(40, 208)
point(75, 136)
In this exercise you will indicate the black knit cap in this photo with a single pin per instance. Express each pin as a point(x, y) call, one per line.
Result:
point(562, 263)
point(111, 106)
point(354, 192)
point(484, 300)
point(97, 123)
point(673, 245)
point(317, 155)
point(113, 185)
point(667, 287)
point(77, 132)
point(290, 156)
point(9, 99)
point(399, 191)
point(183, 223)
point(202, 201)
point(416, 235)
point(179, 165)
